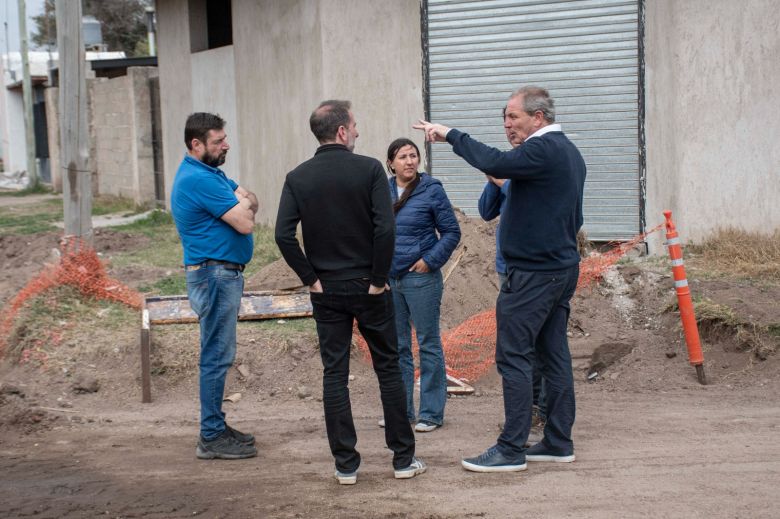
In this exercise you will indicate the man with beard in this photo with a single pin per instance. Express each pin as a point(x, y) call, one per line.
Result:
point(214, 217)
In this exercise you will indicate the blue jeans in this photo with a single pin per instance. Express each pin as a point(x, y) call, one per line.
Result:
point(532, 312)
point(335, 310)
point(417, 300)
point(215, 296)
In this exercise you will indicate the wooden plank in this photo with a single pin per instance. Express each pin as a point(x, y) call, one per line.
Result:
point(456, 386)
point(272, 304)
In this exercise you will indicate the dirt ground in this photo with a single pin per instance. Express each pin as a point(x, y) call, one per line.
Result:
point(75, 441)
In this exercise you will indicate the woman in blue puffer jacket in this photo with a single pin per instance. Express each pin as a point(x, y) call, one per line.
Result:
point(422, 210)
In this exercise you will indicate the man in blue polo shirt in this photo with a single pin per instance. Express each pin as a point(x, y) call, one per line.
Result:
point(215, 218)
point(539, 244)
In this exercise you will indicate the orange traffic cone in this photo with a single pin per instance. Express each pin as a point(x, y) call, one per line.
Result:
point(685, 303)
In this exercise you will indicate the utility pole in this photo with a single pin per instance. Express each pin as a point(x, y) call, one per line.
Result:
point(74, 143)
point(29, 128)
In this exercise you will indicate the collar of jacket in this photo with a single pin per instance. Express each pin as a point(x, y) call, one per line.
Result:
point(425, 181)
point(331, 147)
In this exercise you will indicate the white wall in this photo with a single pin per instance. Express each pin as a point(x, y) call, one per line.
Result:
point(713, 115)
point(14, 143)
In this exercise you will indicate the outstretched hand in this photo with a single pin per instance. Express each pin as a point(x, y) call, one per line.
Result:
point(433, 132)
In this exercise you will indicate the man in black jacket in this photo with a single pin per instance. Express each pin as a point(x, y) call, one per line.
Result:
point(539, 244)
point(342, 201)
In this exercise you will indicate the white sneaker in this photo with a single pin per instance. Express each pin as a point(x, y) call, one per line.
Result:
point(416, 467)
point(381, 422)
point(426, 427)
point(346, 478)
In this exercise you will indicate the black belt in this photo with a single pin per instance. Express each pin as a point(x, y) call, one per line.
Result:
point(212, 263)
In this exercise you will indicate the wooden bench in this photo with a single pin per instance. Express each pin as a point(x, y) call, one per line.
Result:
point(272, 304)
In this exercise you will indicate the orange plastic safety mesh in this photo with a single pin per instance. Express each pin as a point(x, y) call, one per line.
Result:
point(79, 267)
point(470, 347)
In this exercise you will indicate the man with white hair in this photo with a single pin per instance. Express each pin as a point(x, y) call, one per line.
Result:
point(539, 244)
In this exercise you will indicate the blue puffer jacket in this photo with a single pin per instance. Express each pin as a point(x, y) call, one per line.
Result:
point(428, 210)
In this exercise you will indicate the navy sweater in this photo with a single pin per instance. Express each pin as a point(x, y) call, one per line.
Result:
point(544, 207)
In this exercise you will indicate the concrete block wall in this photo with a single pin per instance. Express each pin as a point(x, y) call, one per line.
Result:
point(121, 156)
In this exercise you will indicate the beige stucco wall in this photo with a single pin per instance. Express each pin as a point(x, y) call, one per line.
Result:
point(289, 55)
point(292, 54)
point(213, 90)
point(713, 115)
point(175, 69)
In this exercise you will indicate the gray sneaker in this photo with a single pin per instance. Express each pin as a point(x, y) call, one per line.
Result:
point(493, 461)
point(225, 447)
point(416, 467)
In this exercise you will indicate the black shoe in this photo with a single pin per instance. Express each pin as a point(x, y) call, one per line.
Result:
point(225, 447)
point(540, 452)
point(493, 461)
point(245, 438)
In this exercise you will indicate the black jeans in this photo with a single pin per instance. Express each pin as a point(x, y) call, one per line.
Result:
point(532, 313)
point(334, 311)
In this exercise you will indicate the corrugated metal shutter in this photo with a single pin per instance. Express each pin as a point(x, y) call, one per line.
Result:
point(585, 52)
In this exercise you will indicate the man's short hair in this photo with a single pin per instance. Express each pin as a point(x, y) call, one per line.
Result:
point(328, 117)
point(536, 99)
point(198, 126)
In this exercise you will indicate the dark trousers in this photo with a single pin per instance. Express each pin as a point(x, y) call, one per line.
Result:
point(539, 393)
point(334, 311)
point(532, 313)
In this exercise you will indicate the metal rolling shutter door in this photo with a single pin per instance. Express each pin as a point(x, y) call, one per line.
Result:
point(585, 52)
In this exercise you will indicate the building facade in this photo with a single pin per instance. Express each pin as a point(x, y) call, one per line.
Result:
point(674, 104)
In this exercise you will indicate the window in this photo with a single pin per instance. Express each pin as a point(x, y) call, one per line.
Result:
point(211, 24)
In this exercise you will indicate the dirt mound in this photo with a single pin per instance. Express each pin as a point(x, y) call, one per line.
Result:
point(472, 282)
point(275, 276)
point(23, 256)
point(20, 413)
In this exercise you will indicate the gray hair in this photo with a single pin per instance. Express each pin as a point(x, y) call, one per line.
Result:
point(536, 99)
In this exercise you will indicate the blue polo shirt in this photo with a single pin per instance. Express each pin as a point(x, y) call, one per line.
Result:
point(200, 196)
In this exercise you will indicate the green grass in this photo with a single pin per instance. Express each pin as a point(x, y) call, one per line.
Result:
point(37, 189)
point(40, 216)
point(32, 218)
point(164, 251)
point(294, 326)
point(265, 251)
point(114, 204)
point(174, 284)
